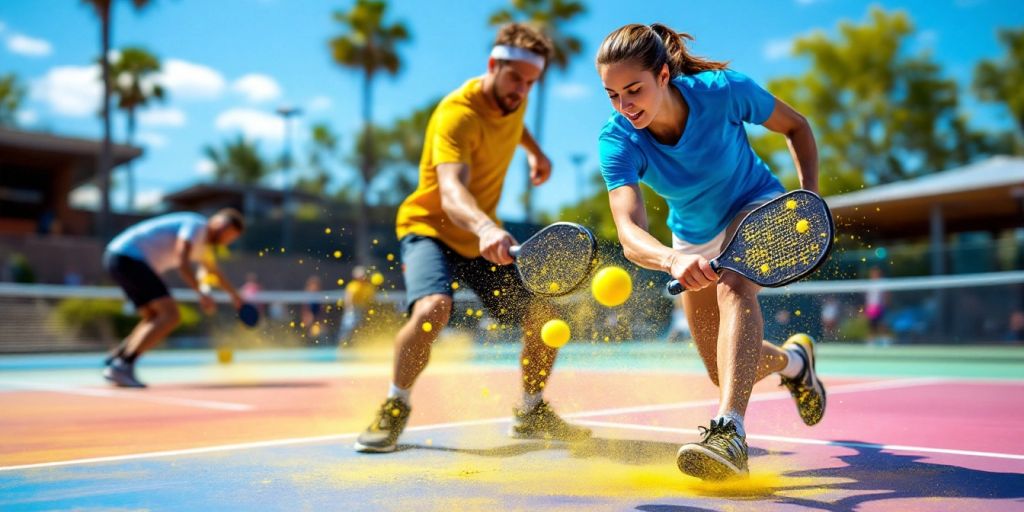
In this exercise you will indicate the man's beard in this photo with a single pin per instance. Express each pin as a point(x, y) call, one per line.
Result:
point(501, 104)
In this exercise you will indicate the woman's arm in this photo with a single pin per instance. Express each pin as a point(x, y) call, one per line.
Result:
point(800, 139)
point(646, 251)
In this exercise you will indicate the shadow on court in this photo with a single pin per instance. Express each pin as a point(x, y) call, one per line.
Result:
point(876, 475)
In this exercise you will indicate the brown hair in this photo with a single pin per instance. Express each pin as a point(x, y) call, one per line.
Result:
point(233, 217)
point(526, 37)
point(652, 47)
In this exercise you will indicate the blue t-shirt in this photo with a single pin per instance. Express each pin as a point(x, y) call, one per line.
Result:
point(154, 241)
point(711, 173)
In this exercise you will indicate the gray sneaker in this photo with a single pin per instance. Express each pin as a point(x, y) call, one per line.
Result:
point(382, 435)
point(720, 455)
point(543, 423)
point(122, 374)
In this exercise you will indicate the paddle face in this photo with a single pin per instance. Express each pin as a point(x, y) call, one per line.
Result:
point(248, 315)
point(780, 242)
point(557, 259)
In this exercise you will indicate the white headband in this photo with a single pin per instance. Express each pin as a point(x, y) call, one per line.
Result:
point(505, 52)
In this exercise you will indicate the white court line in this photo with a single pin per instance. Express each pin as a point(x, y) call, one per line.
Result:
point(439, 426)
point(762, 397)
point(131, 395)
point(801, 440)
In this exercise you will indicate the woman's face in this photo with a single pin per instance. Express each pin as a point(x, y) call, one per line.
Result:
point(635, 92)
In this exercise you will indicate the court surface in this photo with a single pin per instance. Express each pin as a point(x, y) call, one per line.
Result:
point(906, 429)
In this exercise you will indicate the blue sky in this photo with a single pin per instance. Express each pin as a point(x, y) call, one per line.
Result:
point(230, 63)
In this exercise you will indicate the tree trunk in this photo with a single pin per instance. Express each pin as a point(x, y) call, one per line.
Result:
point(104, 224)
point(130, 171)
point(538, 127)
point(362, 222)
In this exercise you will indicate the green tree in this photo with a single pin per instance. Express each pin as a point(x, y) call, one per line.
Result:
point(879, 113)
point(12, 93)
point(238, 161)
point(594, 212)
point(369, 46)
point(399, 149)
point(1002, 80)
point(102, 10)
point(133, 87)
point(323, 148)
point(550, 16)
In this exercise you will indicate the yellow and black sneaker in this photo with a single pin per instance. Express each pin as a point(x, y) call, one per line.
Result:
point(720, 455)
point(806, 388)
point(543, 423)
point(382, 435)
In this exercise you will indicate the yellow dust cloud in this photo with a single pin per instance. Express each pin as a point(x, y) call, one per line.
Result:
point(455, 285)
point(375, 241)
point(391, 257)
point(327, 231)
point(497, 293)
point(791, 204)
point(611, 286)
point(341, 281)
point(555, 333)
point(315, 330)
point(427, 327)
point(802, 226)
point(337, 254)
point(225, 355)
point(376, 279)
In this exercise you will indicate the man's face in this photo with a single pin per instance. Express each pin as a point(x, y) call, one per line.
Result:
point(512, 82)
point(222, 232)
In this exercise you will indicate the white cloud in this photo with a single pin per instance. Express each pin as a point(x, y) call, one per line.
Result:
point(27, 117)
point(776, 49)
point(257, 88)
point(572, 91)
point(86, 197)
point(73, 91)
point(162, 116)
point(205, 167)
point(149, 199)
point(254, 124)
point(28, 46)
point(151, 139)
point(319, 104)
point(190, 81)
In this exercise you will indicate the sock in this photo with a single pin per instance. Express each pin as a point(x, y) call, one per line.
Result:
point(794, 366)
point(736, 419)
point(530, 402)
point(399, 393)
point(128, 358)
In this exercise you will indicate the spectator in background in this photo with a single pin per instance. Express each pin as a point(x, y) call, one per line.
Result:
point(250, 289)
point(1015, 333)
point(358, 296)
point(311, 310)
point(830, 317)
point(875, 300)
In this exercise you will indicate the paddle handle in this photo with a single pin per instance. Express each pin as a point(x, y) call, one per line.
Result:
point(514, 250)
point(674, 287)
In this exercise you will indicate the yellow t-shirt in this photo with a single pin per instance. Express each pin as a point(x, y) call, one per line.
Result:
point(362, 293)
point(463, 129)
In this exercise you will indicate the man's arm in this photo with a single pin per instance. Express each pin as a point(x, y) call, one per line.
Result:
point(461, 207)
point(184, 251)
point(540, 165)
point(213, 268)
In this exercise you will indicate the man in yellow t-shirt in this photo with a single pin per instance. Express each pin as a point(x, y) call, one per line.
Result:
point(451, 238)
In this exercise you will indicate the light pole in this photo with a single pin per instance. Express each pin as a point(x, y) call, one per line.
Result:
point(287, 113)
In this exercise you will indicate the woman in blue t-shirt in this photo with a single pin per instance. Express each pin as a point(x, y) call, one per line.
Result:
point(678, 127)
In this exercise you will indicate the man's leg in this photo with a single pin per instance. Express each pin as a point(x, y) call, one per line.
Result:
point(151, 331)
point(414, 340)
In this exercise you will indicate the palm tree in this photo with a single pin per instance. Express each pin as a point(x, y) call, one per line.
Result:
point(130, 77)
point(1000, 81)
point(12, 93)
point(369, 46)
point(238, 161)
point(550, 16)
point(102, 8)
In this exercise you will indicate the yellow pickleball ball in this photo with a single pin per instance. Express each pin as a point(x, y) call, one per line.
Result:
point(802, 226)
point(555, 333)
point(611, 286)
point(376, 279)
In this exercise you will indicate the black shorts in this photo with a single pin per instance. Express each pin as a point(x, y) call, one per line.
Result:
point(430, 267)
point(139, 282)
